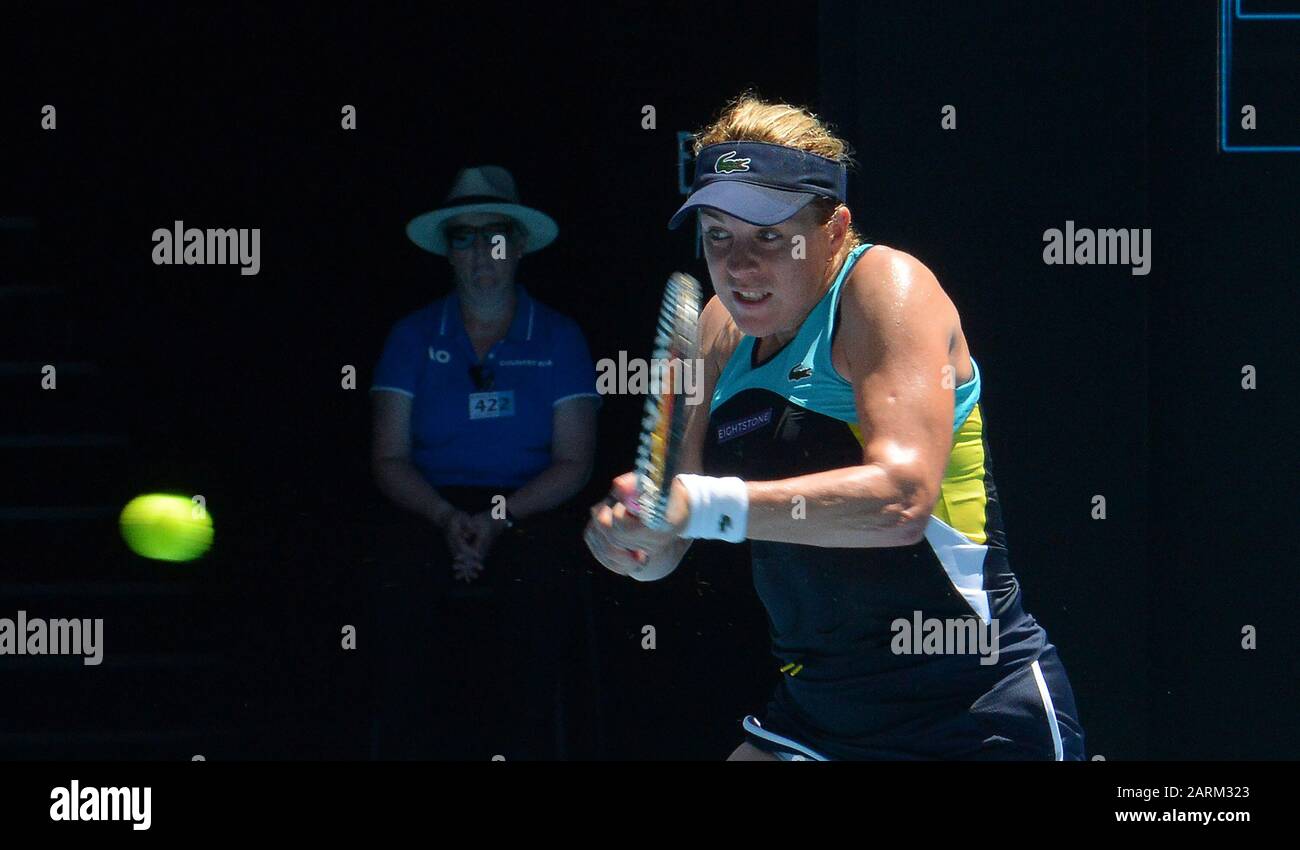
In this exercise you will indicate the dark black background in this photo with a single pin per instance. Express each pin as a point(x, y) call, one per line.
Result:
point(199, 379)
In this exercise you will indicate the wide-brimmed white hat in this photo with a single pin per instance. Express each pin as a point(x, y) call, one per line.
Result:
point(482, 189)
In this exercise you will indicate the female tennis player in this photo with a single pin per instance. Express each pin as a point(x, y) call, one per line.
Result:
point(845, 439)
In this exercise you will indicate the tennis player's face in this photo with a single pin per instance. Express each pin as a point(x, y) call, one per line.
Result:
point(767, 280)
point(483, 263)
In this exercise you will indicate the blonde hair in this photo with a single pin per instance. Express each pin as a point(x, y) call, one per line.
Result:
point(749, 118)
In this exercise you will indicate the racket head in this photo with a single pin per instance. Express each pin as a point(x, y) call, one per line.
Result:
point(663, 427)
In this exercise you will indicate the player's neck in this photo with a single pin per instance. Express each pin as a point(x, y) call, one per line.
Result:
point(777, 340)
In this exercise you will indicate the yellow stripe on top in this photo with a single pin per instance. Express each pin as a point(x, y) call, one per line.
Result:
point(962, 501)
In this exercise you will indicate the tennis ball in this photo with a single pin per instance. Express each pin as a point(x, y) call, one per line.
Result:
point(166, 527)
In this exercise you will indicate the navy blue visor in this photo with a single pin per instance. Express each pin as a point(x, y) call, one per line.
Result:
point(761, 183)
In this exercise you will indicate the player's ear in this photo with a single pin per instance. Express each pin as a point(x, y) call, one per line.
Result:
point(838, 225)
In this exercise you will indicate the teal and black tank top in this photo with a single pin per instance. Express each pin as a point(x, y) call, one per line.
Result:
point(830, 610)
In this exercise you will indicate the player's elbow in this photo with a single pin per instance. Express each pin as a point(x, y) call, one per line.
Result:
point(912, 499)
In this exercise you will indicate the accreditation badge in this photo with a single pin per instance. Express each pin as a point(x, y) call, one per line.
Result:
point(492, 405)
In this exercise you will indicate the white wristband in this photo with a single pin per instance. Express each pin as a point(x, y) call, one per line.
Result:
point(719, 508)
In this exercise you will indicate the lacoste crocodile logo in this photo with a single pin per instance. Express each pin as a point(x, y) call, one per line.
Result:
point(728, 163)
point(800, 372)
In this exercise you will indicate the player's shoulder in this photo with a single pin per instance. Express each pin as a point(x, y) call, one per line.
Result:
point(883, 273)
point(886, 281)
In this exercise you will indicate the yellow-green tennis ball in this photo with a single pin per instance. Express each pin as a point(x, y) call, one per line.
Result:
point(166, 527)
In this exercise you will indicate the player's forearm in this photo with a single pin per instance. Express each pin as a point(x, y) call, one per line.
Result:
point(856, 506)
point(552, 487)
point(402, 483)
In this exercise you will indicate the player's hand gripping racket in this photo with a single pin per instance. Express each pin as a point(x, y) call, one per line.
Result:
point(663, 429)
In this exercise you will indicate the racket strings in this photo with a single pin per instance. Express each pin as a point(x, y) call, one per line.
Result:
point(663, 426)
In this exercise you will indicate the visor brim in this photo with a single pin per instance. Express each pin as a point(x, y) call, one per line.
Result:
point(749, 202)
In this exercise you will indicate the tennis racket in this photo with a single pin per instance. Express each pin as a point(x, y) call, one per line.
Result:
point(663, 428)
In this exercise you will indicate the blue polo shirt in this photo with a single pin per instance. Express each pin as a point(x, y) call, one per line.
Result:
point(474, 435)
